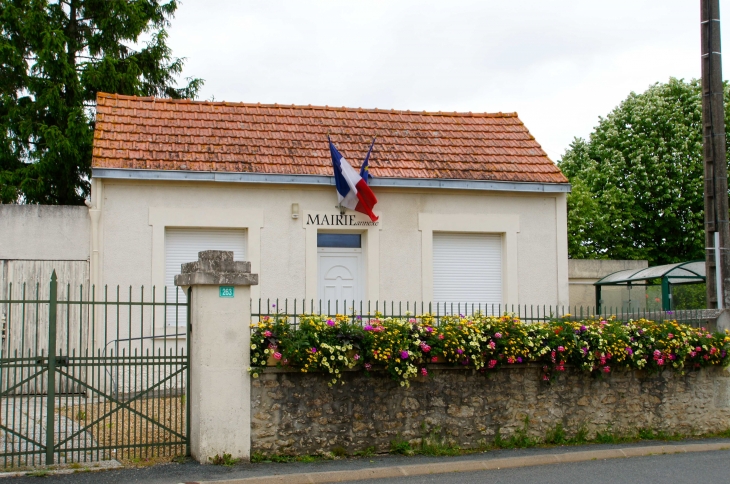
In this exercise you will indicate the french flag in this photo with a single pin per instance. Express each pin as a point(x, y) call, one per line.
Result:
point(353, 191)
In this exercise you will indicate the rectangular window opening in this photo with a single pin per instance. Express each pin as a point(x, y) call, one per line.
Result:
point(350, 241)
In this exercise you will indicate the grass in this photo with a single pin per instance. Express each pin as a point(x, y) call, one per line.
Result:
point(224, 460)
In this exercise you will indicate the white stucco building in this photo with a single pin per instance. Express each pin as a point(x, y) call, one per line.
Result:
point(471, 209)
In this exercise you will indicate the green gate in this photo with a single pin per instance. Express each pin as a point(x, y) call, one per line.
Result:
point(87, 377)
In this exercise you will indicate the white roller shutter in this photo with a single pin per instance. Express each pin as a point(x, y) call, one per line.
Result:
point(182, 245)
point(467, 268)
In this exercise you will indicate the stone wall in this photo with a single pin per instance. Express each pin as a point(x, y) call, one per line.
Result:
point(297, 413)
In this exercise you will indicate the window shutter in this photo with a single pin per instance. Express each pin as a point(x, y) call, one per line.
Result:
point(467, 268)
point(182, 245)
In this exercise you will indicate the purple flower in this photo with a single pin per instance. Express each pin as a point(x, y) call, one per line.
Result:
point(429, 329)
point(460, 351)
point(519, 359)
point(584, 350)
point(314, 350)
point(629, 351)
point(583, 329)
point(404, 355)
point(497, 335)
point(368, 327)
point(330, 322)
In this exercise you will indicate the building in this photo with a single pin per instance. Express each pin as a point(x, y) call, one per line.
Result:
point(471, 208)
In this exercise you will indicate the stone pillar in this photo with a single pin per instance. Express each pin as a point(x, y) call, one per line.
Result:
point(220, 342)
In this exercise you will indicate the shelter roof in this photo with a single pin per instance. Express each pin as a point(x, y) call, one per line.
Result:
point(679, 273)
point(164, 134)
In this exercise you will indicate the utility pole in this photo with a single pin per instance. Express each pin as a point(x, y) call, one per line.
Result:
point(717, 231)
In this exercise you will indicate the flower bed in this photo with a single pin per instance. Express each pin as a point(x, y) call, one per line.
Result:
point(405, 347)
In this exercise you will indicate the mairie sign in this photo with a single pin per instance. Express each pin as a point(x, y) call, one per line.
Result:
point(337, 220)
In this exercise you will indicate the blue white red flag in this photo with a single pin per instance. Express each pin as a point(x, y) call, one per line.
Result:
point(365, 169)
point(352, 191)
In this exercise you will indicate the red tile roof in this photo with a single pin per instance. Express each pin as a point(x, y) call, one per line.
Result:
point(165, 134)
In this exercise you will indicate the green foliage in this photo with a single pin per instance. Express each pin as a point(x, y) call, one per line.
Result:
point(225, 460)
point(366, 452)
point(339, 451)
point(54, 58)
point(581, 436)
point(434, 444)
point(556, 435)
point(638, 180)
point(400, 446)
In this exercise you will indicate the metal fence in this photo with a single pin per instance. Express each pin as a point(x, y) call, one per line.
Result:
point(87, 377)
point(363, 311)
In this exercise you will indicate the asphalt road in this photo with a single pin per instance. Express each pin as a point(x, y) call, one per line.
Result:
point(710, 467)
point(699, 467)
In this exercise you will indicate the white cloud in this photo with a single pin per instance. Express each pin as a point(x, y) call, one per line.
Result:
point(559, 63)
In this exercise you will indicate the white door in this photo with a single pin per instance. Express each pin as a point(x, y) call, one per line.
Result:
point(183, 244)
point(467, 270)
point(340, 278)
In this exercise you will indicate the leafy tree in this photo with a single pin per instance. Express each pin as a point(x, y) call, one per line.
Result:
point(55, 55)
point(638, 180)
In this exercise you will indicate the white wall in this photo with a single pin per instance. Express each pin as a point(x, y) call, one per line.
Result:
point(44, 232)
point(130, 212)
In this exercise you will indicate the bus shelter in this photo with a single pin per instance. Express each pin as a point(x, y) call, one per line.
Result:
point(668, 275)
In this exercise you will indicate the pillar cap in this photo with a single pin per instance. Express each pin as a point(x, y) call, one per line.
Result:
point(216, 268)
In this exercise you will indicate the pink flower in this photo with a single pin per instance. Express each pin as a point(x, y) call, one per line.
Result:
point(492, 363)
point(713, 350)
point(330, 322)
point(606, 369)
point(660, 361)
point(698, 349)
point(412, 320)
point(277, 355)
point(707, 357)
point(545, 378)
point(424, 372)
point(356, 357)
point(368, 366)
point(672, 357)
point(602, 360)
point(561, 349)
point(434, 359)
point(670, 336)
point(492, 345)
point(497, 335)
point(404, 355)
point(657, 354)
point(692, 354)
point(425, 348)
point(510, 360)
point(267, 333)
point(441, 336)
point(272, 346)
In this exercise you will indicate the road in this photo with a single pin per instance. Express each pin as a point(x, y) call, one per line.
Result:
point(710, 467)
point(695, 467)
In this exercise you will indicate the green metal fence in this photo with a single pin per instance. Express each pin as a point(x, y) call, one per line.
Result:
point(87, 377)
point(363, 311)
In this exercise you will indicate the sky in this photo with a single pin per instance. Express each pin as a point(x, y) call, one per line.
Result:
point(559, 64)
